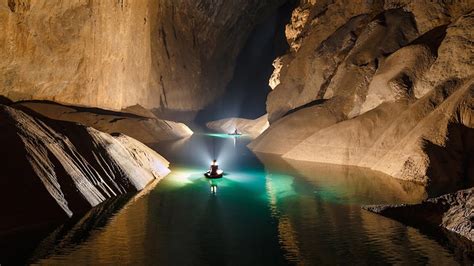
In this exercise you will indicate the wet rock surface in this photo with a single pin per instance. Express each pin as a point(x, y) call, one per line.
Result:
point(53, 169)
point(453, 212)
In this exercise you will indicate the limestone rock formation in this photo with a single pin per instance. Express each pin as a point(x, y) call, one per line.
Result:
point(292, 129)
point(166, 54)
point(54, 169)
point(144, 127)
point(429, 140)
point(383, 85)
point(252, 127)
point(454, 212)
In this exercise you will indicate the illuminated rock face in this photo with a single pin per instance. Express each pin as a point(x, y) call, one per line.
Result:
point(53, 169)
point(384, 85)
point(176, 55)
point(429, 140)
point(250, 127)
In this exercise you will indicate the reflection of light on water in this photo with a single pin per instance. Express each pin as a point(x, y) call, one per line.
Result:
point(288, 240)
point(183, 176)
point(243, 177)
point(223, 136)
point(213, 189)
point(180, 177)
point(279, 187)
point(271, 196)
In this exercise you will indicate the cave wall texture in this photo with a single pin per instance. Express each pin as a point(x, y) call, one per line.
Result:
point(171, 54)
point(56, 169)
point(386, 85)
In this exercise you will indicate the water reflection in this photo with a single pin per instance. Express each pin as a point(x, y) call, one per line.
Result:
point(213, 186)
point(320, 220)
point(272, 214)
point(346, 184)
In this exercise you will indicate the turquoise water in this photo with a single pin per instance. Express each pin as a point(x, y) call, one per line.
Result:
point(265, 211)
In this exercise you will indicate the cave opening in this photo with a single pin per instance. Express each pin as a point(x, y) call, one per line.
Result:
point(245, 95)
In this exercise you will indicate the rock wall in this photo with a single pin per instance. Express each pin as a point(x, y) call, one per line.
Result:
point(337, 48)
point(386, 85)
point(54, 169)
point(169, 54)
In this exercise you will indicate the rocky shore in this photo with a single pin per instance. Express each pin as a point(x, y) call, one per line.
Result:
point(453, 212)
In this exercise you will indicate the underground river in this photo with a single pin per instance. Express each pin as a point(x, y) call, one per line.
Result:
point(265, 211)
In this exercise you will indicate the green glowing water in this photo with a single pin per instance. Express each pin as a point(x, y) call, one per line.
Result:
point(224, 136)
point(271, 213)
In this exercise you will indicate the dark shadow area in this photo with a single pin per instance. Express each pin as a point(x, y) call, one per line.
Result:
point(246, 93)
point(452, 167)
point(35, 212)
point(186, 117)
point(432, 39)
point(79, 229)
point(4, 100)
point(27, 203)
point(427, 217)
point(313, 103)
point(29, 246)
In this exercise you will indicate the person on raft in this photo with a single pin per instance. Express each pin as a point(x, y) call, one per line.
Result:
point(214, 167)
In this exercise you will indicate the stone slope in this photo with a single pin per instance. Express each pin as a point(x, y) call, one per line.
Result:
point(144, 127)
point(166, 54)
point(53, 169)
point(402, 140)
point(292, 129)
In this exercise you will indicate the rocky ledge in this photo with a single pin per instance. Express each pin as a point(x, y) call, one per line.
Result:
point(251, 127)
point(52, 170)
point(453, 212)
point(136, 121)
